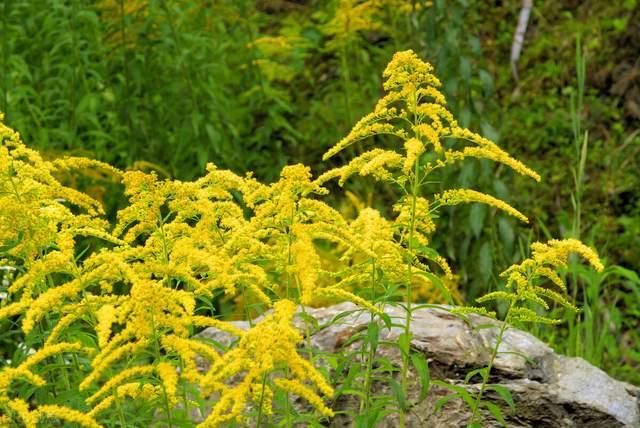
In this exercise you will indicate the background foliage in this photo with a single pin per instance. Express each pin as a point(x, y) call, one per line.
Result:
point(168, 85)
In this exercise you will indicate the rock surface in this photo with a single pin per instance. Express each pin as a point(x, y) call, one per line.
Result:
point(549, 390)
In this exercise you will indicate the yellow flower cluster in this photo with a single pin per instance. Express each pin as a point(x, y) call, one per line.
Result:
point(351, 17)
point(556, 253)
point(174, 243)
point(421, 215)
point(457, 196)
point(23, 372)
point(355, 16)
point(30, 418)
point(414, 99)
point(414, 111)
point(36, 210)
point(268, 346)
point(526, 280)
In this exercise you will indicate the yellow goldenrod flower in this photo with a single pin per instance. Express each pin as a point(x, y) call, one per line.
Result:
point(304, 392)
point(414, 148)
point(114, 351)
point(188, 350)
point(557, 252)
point(307, 264)
point(423, 223)
point(9, 374)
point(343, 294)
point(134, 390)
point(30, 418)
point(442, 262)
point(405, 69)
point(549, 273)
point(126, 374)
point(525, 280)
point(201, 321)
point(67, 414)
point(169, 377)
point(457, 196)
point(487, 149)
point(269, 344)
point(50, 350)
point(47, 301)
point(105, 317)
point(15, 308)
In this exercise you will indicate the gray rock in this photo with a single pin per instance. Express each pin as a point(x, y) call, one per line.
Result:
point(549, 390)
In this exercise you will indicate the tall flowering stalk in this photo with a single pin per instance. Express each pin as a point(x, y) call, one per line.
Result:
point(414, 112)
point(535, 281)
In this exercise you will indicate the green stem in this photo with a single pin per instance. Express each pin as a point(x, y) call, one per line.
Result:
point(65, 376)
point(156, 349)
point(49, 377)
point(156, 343)
point(580, 144)
point(415, 184)
point(167, 408)
point(307, 332)
point(476, 408)
point(288, 285)
point(259, 418)
point(364, 403)
point(245, 308)
point(120, 412)
point(185, 399)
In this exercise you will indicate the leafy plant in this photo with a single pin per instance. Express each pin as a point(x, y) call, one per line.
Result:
point(106, 316)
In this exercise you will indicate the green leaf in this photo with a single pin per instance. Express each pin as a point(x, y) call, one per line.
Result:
point(465, 68)
point(459, 390)
point(373, 333)
point(428, 252)
point(354, 370)
point(504, 393)
point(444, 400)
point(309, 319)
point(422, 367)
point(626, 273)
point(368, 419)
point(349, 391)
point(481, 371)
point(386, 319)
point(506, 233)
point(438, 283)
point(501, 189)
point(484, 326)
point(477, 214)
point(485, 262)
point(495, 411)
point(487, 82)
point(398, 393)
